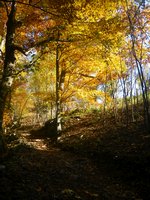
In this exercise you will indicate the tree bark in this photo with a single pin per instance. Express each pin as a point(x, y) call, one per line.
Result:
point(58, 103)
point(6, 81)
point(138, 62)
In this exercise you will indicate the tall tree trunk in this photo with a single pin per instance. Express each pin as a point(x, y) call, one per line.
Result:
point(6, 81)
point(125, 100)
point(138, 62)
point(131, 96)
point(113, 89)
point(58, 103)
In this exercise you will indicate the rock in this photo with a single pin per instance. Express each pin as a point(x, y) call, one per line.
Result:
point(50, 128)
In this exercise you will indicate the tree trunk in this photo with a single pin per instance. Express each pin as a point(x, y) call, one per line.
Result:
point(125, 101)
point(138, 61)
point(6, 81)
point(58, 103)
point(131, 96)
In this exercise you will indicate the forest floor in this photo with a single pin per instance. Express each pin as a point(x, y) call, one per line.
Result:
point(92, 161)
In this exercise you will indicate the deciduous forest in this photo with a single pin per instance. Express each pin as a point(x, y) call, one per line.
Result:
point(74, 99)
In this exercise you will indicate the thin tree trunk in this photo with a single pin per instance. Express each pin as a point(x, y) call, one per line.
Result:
point(131, 96)
point(58, 103)
point(138, 62)
point(113, 88)
point(125, 100)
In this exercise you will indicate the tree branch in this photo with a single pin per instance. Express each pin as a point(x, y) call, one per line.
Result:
point(34, 6)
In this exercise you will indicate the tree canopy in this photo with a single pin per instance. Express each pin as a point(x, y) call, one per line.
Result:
point(56, 56)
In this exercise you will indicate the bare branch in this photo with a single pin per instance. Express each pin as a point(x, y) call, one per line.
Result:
point(34, 6)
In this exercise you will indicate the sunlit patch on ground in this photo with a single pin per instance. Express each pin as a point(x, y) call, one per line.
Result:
point(89, 161)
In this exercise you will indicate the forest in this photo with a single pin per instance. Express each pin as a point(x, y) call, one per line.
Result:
point(75, 99)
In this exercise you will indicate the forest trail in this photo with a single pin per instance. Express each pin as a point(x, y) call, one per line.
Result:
point(70, 170)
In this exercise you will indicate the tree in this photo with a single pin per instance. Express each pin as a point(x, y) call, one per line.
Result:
point(138, 25)
point(90, 41)
point(20, 37)
point(9, 60)
point(41, 86)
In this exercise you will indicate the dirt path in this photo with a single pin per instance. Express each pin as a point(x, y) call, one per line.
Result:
point(36, 169)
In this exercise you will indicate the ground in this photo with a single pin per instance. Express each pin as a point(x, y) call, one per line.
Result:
point(91, 161)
